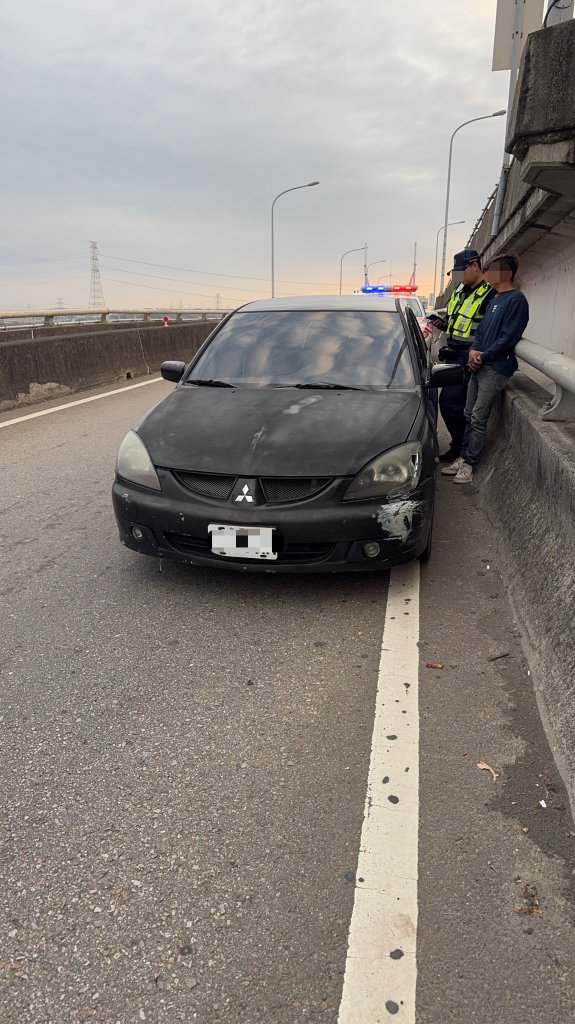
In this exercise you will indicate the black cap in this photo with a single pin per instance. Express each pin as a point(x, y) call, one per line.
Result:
point(462, 259)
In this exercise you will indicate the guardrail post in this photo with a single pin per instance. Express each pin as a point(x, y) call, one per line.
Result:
point(561, 406)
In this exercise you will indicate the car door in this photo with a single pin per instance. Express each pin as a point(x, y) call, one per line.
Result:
point(430, 395)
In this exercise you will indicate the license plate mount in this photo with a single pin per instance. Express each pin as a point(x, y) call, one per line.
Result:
point(253, 542)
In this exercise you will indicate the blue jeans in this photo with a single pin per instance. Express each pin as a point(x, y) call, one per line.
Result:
point(483, 391)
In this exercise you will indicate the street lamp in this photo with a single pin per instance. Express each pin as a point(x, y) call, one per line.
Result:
point(294, 189)
point(361, 249)
point(442, 228)
point(498, 113)
point(375, 262)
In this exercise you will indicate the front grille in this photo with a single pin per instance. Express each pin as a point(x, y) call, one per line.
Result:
point(280, 489)
point(288, 554)
point(209, 485)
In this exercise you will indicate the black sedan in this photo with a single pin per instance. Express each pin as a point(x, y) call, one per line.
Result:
point(301, 437)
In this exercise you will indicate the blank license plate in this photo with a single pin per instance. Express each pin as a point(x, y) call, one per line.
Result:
point(242, 541)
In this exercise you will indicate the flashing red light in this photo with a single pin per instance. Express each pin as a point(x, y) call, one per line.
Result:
point(403, 288)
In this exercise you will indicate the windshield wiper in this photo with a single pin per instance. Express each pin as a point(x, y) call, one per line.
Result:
point(212, 383)
point(327, 385)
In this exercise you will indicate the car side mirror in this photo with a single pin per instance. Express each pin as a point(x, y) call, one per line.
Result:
point(172, 370)
point(446, 375)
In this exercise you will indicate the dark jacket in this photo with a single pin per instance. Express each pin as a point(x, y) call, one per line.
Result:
point(505, 319)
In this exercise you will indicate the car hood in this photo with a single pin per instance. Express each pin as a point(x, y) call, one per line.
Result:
point(275, 431)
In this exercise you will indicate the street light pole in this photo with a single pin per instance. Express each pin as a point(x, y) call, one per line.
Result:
point(442, 228)
point(361, 249)
point(373, 264)
point(486, 117)
point(294, 189)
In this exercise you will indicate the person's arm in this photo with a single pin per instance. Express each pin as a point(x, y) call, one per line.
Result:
point(515, 320)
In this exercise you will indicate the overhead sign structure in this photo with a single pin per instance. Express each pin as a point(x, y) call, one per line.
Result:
point(531, 20)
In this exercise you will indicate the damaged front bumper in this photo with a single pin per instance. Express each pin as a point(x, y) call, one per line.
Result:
point(322, 534)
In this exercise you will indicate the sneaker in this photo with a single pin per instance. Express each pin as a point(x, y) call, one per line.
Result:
point(453, 469)
point(464, 474)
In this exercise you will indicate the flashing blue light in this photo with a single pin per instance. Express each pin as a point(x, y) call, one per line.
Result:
point(374, 289)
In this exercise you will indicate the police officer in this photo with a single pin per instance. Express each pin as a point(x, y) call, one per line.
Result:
point(466, 306)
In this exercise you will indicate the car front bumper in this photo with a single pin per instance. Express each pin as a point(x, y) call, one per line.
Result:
point(309, 536)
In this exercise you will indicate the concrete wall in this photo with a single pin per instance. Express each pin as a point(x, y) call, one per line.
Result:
point(549, 284)
point(538, 217)
point(527, 481)
point(35, 369)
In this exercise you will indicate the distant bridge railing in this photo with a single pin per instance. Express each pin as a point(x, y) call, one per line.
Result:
point(13, 318)
point(560, 369)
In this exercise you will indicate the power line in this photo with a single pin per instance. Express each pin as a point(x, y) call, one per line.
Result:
point(42, 260)
point(159, 277)
point(207, 273)
point(157, 288)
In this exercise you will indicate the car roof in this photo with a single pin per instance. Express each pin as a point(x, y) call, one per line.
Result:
point(358, 301)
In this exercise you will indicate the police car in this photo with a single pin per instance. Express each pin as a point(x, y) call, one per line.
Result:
point(405, 293)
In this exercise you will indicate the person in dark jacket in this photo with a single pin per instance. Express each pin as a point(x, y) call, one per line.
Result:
point(491, 360)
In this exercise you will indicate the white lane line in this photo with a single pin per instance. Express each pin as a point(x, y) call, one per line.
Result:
point(80, 401)
point(381, 971)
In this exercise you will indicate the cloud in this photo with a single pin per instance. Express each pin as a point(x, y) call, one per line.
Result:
point(164, 130)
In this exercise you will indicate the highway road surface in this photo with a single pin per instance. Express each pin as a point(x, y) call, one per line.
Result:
point(254, 799)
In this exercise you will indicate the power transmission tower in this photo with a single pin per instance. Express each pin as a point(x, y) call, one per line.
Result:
point(96, 300)
point(218, 300)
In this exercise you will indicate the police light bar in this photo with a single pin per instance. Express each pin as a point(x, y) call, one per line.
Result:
point(390, 289)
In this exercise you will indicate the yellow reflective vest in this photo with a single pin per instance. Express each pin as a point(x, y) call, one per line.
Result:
point(464, 312)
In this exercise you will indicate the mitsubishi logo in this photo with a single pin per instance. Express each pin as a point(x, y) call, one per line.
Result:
point(245, 495)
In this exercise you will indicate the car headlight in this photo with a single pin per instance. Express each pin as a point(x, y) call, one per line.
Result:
point(389, 475)
point(134, 462)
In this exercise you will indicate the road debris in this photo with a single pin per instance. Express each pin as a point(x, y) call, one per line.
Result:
point(542, 803)
point(487, 768)
point(434, 664)
point(496, 657)
point(529, 900)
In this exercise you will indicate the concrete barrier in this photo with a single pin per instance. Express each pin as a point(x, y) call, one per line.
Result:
point(32, 370)
point(527, 482)
point(61, 330)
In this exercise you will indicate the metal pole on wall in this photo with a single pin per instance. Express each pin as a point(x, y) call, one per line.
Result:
point(365, 279)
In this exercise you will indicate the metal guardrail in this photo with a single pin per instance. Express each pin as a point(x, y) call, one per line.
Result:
point(560, 369)
point(58, 317)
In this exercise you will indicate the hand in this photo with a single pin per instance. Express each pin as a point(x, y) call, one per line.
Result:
point(475, 360)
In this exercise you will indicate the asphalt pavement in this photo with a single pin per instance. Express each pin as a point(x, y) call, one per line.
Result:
point(185, 756)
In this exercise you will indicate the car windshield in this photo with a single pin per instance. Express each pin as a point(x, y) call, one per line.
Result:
point(361, 349)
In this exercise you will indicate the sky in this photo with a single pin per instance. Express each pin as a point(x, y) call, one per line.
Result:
point(164, 130)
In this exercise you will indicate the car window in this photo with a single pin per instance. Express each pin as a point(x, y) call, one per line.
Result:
point(357, 348)
point(415, 305)
point(419, 343)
